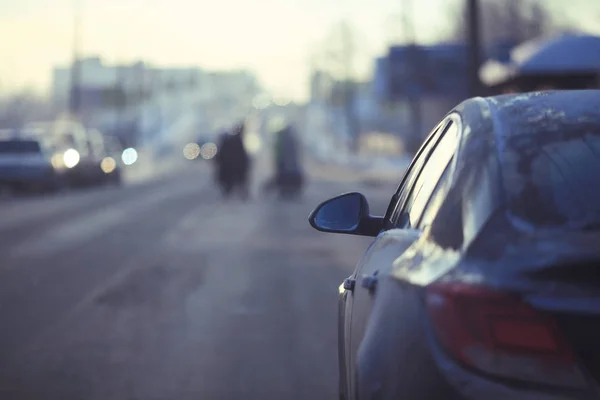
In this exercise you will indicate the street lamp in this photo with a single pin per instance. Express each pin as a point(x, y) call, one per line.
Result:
point(75, 93)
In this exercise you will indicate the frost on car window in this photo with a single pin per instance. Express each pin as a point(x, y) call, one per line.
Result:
point(560, 183)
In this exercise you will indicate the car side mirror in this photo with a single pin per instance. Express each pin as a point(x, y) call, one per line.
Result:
point(347, 213)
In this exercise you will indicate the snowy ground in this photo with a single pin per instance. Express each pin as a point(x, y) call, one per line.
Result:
point(369, 168)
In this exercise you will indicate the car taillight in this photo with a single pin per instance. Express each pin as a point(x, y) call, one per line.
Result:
point(498, 334)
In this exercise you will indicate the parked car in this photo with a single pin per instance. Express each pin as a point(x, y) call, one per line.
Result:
point(25, 166)
point(106, 154)
point(68, 141)
point(482, 281)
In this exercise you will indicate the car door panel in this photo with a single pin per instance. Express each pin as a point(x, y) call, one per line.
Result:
point(392, 244)
point(345, 312)
point(378, 261)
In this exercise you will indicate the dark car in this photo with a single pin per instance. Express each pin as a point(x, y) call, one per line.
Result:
point(483, 281)
point(67, 141)
point(26, 167)
point(105, 151)
point(112, 163)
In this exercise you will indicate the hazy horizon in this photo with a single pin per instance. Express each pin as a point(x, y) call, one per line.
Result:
point(228, 34)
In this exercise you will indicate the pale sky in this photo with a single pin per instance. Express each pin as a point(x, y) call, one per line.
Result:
point(273, 37)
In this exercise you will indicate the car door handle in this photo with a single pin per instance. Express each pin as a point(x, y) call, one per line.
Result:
point(369, 282)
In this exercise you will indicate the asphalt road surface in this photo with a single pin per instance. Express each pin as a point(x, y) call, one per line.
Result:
point(163, 290)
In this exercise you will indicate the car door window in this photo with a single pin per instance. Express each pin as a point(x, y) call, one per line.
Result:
point(413, 171)
point(430, 175)
point(434, 203)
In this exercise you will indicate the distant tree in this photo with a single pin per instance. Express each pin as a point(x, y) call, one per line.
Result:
point(336, 57)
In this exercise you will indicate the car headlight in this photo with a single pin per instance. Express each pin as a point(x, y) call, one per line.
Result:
point(71, 158)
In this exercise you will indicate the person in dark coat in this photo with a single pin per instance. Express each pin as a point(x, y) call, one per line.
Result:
point(233, 162)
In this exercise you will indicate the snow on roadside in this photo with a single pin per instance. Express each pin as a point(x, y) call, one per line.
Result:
point(150, 166)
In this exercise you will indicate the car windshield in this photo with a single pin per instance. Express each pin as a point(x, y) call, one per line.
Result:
point(19, 147)
point(561, 184)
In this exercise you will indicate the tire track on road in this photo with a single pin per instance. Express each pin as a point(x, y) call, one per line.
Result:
point(58, 238)
point(148, 254)
point(24, 218)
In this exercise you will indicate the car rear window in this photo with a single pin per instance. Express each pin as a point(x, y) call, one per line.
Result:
point(19, 147)
point(558, 183)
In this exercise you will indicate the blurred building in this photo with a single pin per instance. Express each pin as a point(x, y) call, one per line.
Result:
point(105, 86)
point(327, 114)
point(380, 82)
point(434, 76)
point(139, 101)
point(338, 99)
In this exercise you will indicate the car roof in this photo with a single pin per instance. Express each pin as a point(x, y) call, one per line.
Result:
point(530, 114)
point(517, 125)
point(541, 115)
point(544, 144)
point(503, 135)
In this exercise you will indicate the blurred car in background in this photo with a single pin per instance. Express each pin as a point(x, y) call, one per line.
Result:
point(72, 155)
point(483, 280)
point(25, 166)
point(113, 152)
point(106, 153)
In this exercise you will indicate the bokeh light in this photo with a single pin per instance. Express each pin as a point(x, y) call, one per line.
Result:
point(129, 156)
point(208, 151)
point(108, 165)
point(191, 151)
point(252, 142)
point(71, 158)
point(58, 161)
point(276, 123)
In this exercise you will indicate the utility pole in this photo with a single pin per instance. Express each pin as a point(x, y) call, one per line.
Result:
point(474, 57)
point(120, 97)
point(349, 85)
point(414, 101)
point(408, 22)
point(141, 102)
point(75, 90)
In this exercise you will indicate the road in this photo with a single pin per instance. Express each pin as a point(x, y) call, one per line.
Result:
point(162, 290)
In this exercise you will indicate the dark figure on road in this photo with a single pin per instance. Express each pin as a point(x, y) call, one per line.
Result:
point(233, 163)
point(289, 177)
